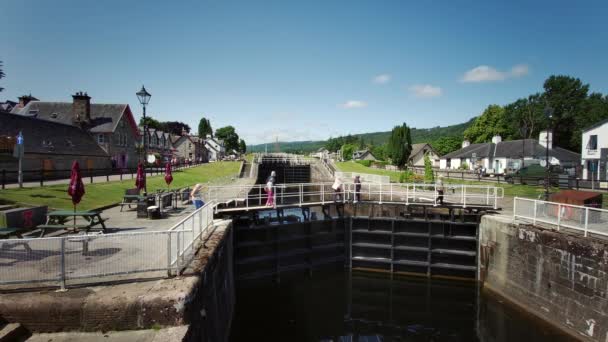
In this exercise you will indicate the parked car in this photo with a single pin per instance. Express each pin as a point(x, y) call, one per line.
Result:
point(535, 174)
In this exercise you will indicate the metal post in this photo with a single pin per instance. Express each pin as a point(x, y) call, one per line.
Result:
point(168, 253)
point(559, 215)
point(534, 216)
point(62, 265)
point(586, 220)
point(41, 177)
point(514, 208)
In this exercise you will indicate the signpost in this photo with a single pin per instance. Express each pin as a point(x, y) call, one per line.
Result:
point(18, 153)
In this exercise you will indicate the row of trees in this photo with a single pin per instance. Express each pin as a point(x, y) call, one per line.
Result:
point(572, 107)
point(228, 133)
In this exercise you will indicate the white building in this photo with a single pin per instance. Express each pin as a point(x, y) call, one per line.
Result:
point(215, 148)
point(500, 157)
point(595, 152)
point(418, 153)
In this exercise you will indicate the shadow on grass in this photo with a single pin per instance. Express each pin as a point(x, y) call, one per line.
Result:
point(42, 196)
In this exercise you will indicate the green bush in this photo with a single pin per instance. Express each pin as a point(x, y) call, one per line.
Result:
point(429, 176)
point(464, 166)
point(366, 163)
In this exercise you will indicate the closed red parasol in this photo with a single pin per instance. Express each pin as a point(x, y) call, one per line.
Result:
point(140, 180)
point(168, 175)
point(76, 188)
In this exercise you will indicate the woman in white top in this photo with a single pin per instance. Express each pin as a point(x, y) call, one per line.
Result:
point(197, 196)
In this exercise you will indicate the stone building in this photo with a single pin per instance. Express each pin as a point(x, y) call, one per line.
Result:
point(158, 143)
point(421, 150)
point(214, 147)
point(111, 125)
point(189, 147)
point(49, 146)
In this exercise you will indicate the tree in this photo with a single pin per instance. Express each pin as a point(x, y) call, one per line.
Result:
point(1, 74)
point(567, 96)
point(445, 145)
point(228, 134)
point(490, 123)
point(429, 176)
point(204, 128)
point(399, 145)
point(347, 151)
point(175, 127)
point(242, 146)
point(526, 116)
point(379, 151)
point(151, 123)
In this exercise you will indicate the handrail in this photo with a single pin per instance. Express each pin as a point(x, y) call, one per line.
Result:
point(562, 215)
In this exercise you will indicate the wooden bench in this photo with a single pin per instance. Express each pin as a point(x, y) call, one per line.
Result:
point(55, 227)
point(5, 233)
point(131, 197)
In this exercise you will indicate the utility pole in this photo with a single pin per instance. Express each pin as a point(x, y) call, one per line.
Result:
point(18, 153)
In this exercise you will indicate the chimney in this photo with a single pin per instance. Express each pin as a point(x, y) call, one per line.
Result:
point(184, 132)
point(81, 107)
point(25, 99)
point(208, 136)
point(545, 138)
point(496, 139)
point(465, 143)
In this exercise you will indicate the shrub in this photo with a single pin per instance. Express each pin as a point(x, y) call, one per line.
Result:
point(429, 176)
point(464, 166)
point(366, 163)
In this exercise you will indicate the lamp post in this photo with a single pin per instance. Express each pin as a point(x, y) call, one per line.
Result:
point(523, 130)
point(549, 115)
point(144, 98)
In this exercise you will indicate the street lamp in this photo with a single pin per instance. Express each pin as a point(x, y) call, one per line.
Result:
point(144, 98)
point(549, 115)
point(523, 130)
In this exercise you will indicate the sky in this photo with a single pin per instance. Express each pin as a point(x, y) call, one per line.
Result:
point(301, 70)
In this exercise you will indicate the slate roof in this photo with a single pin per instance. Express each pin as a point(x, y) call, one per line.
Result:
point(7, 106)
point(46, 137)
point(596, 125)
point(417, 148)
point(512, 149)
point(104, 117)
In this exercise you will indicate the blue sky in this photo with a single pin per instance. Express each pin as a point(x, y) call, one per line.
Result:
point(300, 70)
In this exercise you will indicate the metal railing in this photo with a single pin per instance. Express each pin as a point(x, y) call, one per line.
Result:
point(253, 197)
point(365, 177)
point(294, 159)
point(94, 257)
point(560, 215)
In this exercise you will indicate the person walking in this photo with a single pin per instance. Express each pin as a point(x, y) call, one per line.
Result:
point(357, 189)
point(197, 196)
point(337, 186)
point(270, 189)
point(439, 188)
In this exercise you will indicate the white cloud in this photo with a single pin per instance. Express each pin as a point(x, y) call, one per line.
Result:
point(486, 73)
point(353, 104)
point(519, 70)
point(382, 79)
point(425, 90)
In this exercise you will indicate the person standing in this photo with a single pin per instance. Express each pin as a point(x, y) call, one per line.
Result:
point(439, 188)
point(270, 189)
point(197, 196)
point(357, 189)
point(337, 186)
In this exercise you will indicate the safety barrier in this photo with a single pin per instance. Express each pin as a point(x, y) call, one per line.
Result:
point(364, 177)
point(90, 258)
point(560, 215)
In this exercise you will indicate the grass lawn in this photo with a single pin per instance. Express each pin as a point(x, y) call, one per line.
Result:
point(510, 189)
point(101, 194)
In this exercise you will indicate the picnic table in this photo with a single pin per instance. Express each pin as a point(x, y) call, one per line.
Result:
point(64, 219)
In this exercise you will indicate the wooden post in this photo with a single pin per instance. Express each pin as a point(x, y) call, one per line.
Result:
point(41, 177)
point(3, 178)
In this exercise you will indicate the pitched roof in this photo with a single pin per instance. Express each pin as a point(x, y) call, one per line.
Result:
point(104, 117)
point(512, 149)
point(417, 148)
point(41, 136)
point(596, 125)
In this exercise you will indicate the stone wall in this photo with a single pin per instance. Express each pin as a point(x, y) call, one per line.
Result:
point(560, 277)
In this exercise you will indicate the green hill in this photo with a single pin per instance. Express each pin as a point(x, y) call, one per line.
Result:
point(419, 135)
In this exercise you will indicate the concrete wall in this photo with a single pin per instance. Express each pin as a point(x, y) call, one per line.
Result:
point(559, 277)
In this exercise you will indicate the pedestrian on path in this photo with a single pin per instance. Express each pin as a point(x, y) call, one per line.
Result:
point(337, 186)
point(357, 189)
point(270, 189)
point(197, 196)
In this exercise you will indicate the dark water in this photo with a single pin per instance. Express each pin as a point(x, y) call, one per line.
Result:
point(338, 306)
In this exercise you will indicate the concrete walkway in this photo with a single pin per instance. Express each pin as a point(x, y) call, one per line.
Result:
point(172, 334)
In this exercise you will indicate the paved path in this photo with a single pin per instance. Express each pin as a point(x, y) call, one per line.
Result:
point(161, 335)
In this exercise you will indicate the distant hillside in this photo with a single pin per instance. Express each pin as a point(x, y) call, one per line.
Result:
point(419, 135)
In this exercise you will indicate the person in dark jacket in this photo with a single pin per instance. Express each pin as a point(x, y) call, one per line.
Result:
point(357, 189)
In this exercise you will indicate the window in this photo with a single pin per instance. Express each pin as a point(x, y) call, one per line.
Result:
point(592, 144)
point(54, 115)
point(100, 139)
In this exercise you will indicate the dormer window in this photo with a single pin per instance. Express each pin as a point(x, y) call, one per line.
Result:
point(54, 115)
point(69, 143)
point(100, 138)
